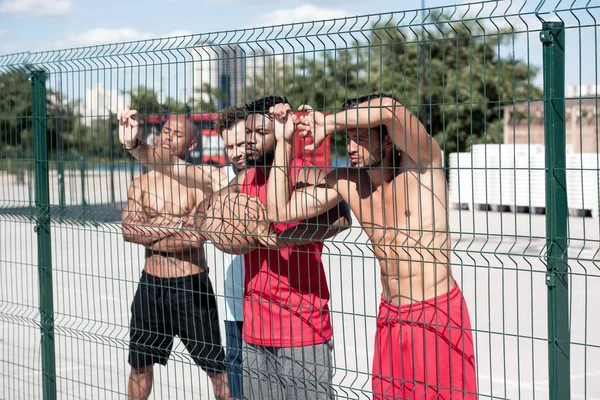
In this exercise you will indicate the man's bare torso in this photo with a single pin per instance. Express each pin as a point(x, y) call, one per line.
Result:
point(406, 222)
point(163, 196)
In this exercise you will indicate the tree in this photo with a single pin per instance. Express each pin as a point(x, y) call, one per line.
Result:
point(15, 108)
point(145, 101)
point(207, 99)
point(64, 131)
point(467, 80)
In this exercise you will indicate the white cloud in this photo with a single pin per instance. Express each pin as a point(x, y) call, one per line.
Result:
point(105, 35)
point(305, 12)
point(179, 32)
point(39, 7)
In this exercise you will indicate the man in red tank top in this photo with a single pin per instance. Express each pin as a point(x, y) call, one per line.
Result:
point(287, 328)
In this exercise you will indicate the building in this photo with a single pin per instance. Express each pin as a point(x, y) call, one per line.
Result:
point(241, 74)
point(524, 122)
point(218, 69)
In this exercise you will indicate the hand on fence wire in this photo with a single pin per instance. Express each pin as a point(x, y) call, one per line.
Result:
point(314, 124)
point(128, 128)
point(284, 122)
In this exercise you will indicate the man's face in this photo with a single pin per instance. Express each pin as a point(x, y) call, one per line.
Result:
point(235, 144)
point(364, 147)
point(178, 136)
point(260, 140)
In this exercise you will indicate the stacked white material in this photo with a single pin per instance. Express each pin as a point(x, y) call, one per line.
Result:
point(460, 179)
point(592, 163)
point(574, 182)
point(506, 163)
point(486, 174)
point(537, 165)
point(530, 176)
point(582, 181)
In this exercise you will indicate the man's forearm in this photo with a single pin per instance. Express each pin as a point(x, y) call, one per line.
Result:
point(279, 186)
point(366, 115)
point(317, 229)
point(178, 242)
point(159, 159)
point(146, 234)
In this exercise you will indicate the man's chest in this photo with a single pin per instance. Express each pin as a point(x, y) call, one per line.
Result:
point(168, 197)
point(381, 210)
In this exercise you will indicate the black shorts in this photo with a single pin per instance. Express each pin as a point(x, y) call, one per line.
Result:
point(167, 307)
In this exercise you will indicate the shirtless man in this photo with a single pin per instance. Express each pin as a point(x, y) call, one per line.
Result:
point(307, 335)
point(396, 188)
point(175, 296)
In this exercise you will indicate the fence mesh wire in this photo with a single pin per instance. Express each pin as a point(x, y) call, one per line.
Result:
point(471, 73)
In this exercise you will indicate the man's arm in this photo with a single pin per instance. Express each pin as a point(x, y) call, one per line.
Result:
point(204, 177)
point(184, 238)
point(407, 132)
point(137, 226)
point(310, 197)
point(317, 229)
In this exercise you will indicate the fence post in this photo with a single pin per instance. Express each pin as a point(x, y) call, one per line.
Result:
point(42, 228)
point(82, 176)
point(60, 169)
point(553, 39)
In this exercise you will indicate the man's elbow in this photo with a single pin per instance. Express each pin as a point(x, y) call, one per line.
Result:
point(130, 235)
point(344, 217)
point(280, 215)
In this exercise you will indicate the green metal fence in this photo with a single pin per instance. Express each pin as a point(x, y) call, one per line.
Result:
point(486, 79)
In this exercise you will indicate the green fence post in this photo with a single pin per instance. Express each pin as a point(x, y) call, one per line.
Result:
point(553, 39)
point(82, 175)
point(42, 228)
point(60, 168)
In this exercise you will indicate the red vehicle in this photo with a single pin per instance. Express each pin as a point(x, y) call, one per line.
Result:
point(210, 147)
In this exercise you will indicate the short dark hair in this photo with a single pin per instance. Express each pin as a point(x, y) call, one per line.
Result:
point(228, 117)
point(262, 105)
point(353, 102)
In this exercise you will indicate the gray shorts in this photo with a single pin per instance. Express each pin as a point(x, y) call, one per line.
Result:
point(288, 373)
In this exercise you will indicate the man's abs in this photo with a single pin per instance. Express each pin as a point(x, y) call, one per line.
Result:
point(175, 265)
point(413, 273)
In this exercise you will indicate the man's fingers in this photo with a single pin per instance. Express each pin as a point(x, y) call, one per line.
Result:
point(305, 107)
point(310, 147)
point(131, 114)
point(124, 114)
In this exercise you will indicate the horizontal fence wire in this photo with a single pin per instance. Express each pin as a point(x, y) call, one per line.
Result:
point(130, 236)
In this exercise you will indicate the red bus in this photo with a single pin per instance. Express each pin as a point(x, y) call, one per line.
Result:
point(210, 149)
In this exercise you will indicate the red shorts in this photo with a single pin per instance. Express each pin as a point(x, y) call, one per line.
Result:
point(424, 350)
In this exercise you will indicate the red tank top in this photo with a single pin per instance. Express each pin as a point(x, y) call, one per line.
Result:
point(286, 294)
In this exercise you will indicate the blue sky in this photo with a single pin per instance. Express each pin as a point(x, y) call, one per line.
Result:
point(33, 25)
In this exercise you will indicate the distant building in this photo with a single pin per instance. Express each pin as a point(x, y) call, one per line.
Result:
point(524, 122)
point(221, 67)
point(100, 102)
point(241, 73)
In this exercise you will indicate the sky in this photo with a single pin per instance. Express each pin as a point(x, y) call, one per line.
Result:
point(34, 25)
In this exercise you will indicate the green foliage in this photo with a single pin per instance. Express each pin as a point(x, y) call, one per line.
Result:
point(207, 99)
point(145, 101)
point(453, 78)
point(65, 130)
point(15, 109)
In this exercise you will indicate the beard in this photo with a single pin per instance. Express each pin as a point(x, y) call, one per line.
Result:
point(261, 161)
point(370, 162)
